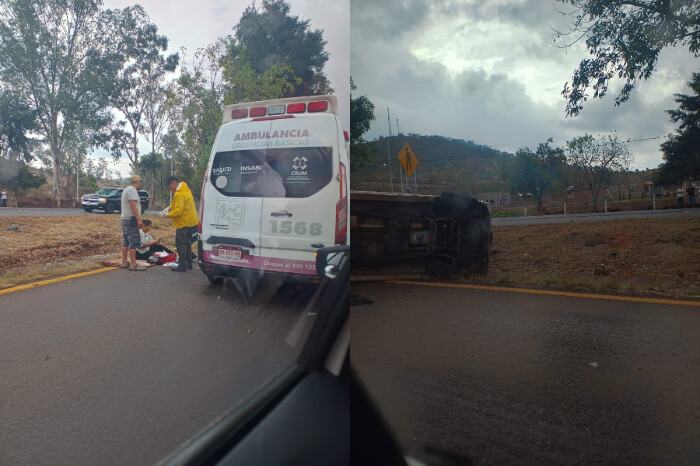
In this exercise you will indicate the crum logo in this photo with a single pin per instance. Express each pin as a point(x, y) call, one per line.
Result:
point(299, 163)
point(291, 133)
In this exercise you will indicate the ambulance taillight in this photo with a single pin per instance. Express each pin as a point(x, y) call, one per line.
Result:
point(341, 210)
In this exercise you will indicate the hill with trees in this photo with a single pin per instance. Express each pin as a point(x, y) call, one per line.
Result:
point(447, 164)
point(444, 164)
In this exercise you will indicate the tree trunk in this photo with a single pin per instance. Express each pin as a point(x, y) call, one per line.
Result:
point(153, 188)
point(56, 191)
point(135, 140)
point(56, 161)
point(595, 200)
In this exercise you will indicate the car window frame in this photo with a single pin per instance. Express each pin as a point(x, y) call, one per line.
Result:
point(111, 193)
point(333, 302)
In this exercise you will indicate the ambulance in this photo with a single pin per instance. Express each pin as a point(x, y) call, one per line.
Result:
point(275, 189)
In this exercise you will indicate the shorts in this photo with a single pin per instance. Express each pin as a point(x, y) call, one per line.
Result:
point(130, 233)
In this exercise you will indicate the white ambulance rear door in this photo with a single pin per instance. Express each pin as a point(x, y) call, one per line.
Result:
point(301, 218)
point(237, 176)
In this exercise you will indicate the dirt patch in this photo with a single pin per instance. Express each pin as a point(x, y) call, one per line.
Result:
point(36, 247)
point(638, 256)
point(621, 239)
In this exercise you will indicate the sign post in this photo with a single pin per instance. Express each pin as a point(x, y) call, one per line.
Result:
point(408, 161)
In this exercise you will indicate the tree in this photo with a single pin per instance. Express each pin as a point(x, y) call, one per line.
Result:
point(59, 57)
point(150, 164)
point(75, 152)
point(595, 159)
point(88, 183)
point(681, 151)
point(102, 170)
point(243, 84)
point(271, 38)
point(196, 106)
point(15, 176)
point(138, 86)
point(156, 120)
point(539, 173)
point(17, 119)
point(361, 117)
point(625, 38)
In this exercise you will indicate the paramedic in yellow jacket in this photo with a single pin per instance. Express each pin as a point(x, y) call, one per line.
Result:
point(185, 220)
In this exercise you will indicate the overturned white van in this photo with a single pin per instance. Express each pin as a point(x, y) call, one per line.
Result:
point(275, 189)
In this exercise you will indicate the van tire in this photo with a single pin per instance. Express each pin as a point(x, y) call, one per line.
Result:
point(109, 208)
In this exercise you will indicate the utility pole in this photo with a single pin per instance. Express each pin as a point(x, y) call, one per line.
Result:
point(398, 130)
point(77, 180)
point(172, 171)
point(388, 152)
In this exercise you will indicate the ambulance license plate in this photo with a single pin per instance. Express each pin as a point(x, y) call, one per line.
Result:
point(229, 253)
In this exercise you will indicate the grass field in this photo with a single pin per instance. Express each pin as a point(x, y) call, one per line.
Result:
point(637, 256)
point(46, 247)
point(640, 256)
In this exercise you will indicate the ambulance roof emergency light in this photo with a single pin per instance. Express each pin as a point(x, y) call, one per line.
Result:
point(272, 109)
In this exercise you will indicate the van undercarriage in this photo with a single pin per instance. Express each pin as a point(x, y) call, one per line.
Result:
point(406, 234)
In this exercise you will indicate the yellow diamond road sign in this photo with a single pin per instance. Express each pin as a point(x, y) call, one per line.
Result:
point(408, 160)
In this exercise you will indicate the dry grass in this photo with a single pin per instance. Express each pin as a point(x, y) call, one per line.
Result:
point(643, 256)
point(52, 246)
point(640, 256)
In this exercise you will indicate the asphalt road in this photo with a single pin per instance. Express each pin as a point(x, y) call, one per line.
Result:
point(48, 212)
point(503, 378)
point(123, 367)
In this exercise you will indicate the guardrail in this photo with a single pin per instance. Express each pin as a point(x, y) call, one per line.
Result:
point(565, 208)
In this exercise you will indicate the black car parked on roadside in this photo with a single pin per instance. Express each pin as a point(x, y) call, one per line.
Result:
point(110, 200)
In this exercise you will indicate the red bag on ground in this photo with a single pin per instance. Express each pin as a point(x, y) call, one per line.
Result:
point(168, 258)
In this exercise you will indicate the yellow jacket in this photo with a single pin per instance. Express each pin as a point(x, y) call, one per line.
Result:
point(183, 211)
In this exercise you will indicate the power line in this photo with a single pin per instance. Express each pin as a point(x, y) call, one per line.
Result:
point(645, 139)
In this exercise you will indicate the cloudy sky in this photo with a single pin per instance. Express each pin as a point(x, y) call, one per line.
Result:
point(196, 24)
point(488, 72)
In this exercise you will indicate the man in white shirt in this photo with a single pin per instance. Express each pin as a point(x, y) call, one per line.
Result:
point(131, 222)
point(3, 198)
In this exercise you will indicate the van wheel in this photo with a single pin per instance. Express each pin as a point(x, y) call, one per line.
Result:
point(87, 209)
point(110, 208)
point(215, 279)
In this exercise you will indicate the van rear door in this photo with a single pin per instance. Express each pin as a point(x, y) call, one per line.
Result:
point(301, 217)
point(240, 179)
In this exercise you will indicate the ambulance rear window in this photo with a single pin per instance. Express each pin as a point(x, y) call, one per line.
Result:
point(289, 172)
